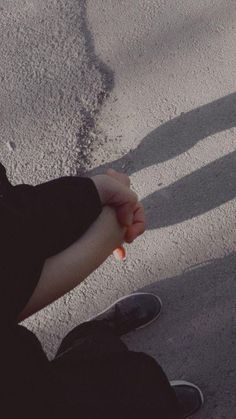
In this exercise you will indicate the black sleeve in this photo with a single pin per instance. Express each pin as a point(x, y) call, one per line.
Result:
point(37, 222)
point(61, 210)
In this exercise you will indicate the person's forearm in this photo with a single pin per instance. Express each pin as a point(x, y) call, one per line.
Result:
point(65, 270)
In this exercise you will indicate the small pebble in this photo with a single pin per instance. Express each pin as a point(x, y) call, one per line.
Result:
point(11, 145)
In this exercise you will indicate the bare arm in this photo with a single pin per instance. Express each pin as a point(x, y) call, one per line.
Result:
point(65, 270)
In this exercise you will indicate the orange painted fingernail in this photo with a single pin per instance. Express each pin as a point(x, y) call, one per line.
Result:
point(120, 253)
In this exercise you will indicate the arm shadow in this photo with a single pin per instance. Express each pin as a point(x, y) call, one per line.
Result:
point(177, 136)
point(193, 195)
point(202, 190)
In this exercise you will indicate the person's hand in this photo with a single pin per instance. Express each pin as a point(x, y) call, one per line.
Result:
point(114, 189)
point(115, 193)
point(138, 225)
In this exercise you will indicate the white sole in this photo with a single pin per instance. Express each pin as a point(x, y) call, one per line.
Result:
point(186, 383)
point(122, 298)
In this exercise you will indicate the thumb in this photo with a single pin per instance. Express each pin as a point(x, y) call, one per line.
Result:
point(123, 199)
point(125, 214)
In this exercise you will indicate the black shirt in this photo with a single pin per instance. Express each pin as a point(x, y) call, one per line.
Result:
point(36, 222)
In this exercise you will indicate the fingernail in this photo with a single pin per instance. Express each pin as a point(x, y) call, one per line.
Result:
point(120, 253)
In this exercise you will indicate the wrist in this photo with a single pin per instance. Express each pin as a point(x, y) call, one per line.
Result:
point(102, 182)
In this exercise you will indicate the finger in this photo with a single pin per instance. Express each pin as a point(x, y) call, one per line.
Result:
point(125, 214)
point(139, 215)
point(121, 195)
point(120, 253)
point(134, 231)
point(139, 224)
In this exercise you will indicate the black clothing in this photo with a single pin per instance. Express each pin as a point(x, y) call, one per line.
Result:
point(100, 377)
point(36, 222)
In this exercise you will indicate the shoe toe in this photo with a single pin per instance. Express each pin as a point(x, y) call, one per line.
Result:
point(145, 307)
point(150, 305)
point(189, 396)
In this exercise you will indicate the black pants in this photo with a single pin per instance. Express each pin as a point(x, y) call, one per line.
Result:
point(101, 379)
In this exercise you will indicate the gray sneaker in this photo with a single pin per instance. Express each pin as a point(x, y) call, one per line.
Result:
point(189, 396)
point(131, 312)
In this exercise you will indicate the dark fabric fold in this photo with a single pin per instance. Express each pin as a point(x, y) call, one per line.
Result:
point(37, 222)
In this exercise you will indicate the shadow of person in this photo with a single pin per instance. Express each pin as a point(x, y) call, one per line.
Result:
point(194, 194)
point(202, 190)
point(176, 136)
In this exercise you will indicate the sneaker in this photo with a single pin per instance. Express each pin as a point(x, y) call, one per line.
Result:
point(131, 312)
point(189, 396)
